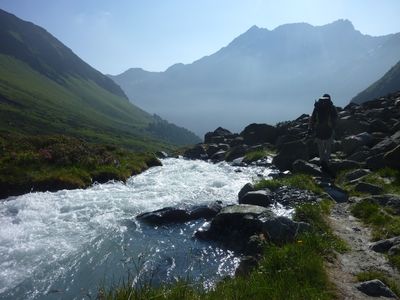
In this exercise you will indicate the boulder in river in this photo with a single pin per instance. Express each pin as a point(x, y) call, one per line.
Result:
point(235, 224)
point(169, 215)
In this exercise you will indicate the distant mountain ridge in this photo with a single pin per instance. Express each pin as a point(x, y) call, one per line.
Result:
point(46, 89)
point(264, 76)
point(389, 83)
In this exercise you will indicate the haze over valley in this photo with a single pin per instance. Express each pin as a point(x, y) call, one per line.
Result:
point(264, 76)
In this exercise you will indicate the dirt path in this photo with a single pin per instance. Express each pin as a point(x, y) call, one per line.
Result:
point(360, 258)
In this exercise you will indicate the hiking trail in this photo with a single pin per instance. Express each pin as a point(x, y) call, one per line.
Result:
point(359, 258)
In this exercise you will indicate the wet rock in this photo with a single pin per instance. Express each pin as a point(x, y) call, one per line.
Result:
point(169, 215)
point(219, 156)
point(197, 152)
point(259, 133)
point(301, 166)
point(248, 187)
point(236, 152)
point(368, 188)
point(375, 288)
point(261, 198)
point(235, 224)
point(212, 149)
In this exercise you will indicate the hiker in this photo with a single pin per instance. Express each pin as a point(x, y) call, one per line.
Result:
point(322, 124)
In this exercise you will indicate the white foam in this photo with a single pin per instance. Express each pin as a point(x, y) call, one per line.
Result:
point(40, 232)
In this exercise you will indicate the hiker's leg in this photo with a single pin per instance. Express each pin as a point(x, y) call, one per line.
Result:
point(328, 148)
point(321, 149)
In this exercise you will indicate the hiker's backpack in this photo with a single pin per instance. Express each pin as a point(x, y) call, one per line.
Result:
point(325, 118)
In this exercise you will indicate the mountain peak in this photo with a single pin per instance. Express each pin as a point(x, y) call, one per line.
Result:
point(342, 24)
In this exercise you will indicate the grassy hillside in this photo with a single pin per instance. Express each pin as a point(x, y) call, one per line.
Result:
point(46, 89)
point(389, 83)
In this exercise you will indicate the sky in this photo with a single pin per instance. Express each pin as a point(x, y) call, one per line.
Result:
point(113, 36)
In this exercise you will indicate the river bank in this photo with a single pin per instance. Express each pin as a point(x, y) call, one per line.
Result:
point(51, 163)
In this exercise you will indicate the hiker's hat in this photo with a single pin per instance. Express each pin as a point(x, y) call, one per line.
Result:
point(325, 97)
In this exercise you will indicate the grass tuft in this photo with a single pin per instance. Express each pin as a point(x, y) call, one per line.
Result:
point(300, 181)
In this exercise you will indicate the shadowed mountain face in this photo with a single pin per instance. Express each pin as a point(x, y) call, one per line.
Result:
point(46, 89)
point(264, 76)
point(389, 83)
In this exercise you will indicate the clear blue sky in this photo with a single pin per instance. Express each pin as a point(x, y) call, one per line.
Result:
point(113, 36)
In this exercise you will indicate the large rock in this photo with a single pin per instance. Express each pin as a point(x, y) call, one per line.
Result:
point(289, 153)
point(235, 224)
point(261, 198)
point(375, 288)
point(255, 134)
point(376, 162)
point(169, 215)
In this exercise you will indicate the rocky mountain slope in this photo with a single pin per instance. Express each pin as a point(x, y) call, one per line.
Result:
point(46, 89)
point(265, 76)
point(389, 83)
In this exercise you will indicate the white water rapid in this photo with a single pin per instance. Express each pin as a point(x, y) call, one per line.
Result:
point(66, 244)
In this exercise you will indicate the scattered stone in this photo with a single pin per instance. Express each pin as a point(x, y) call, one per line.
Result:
point(302, 166)
point(375, 288)
point(354, 142)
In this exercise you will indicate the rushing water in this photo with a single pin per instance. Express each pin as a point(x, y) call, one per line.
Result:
point(65, 244)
